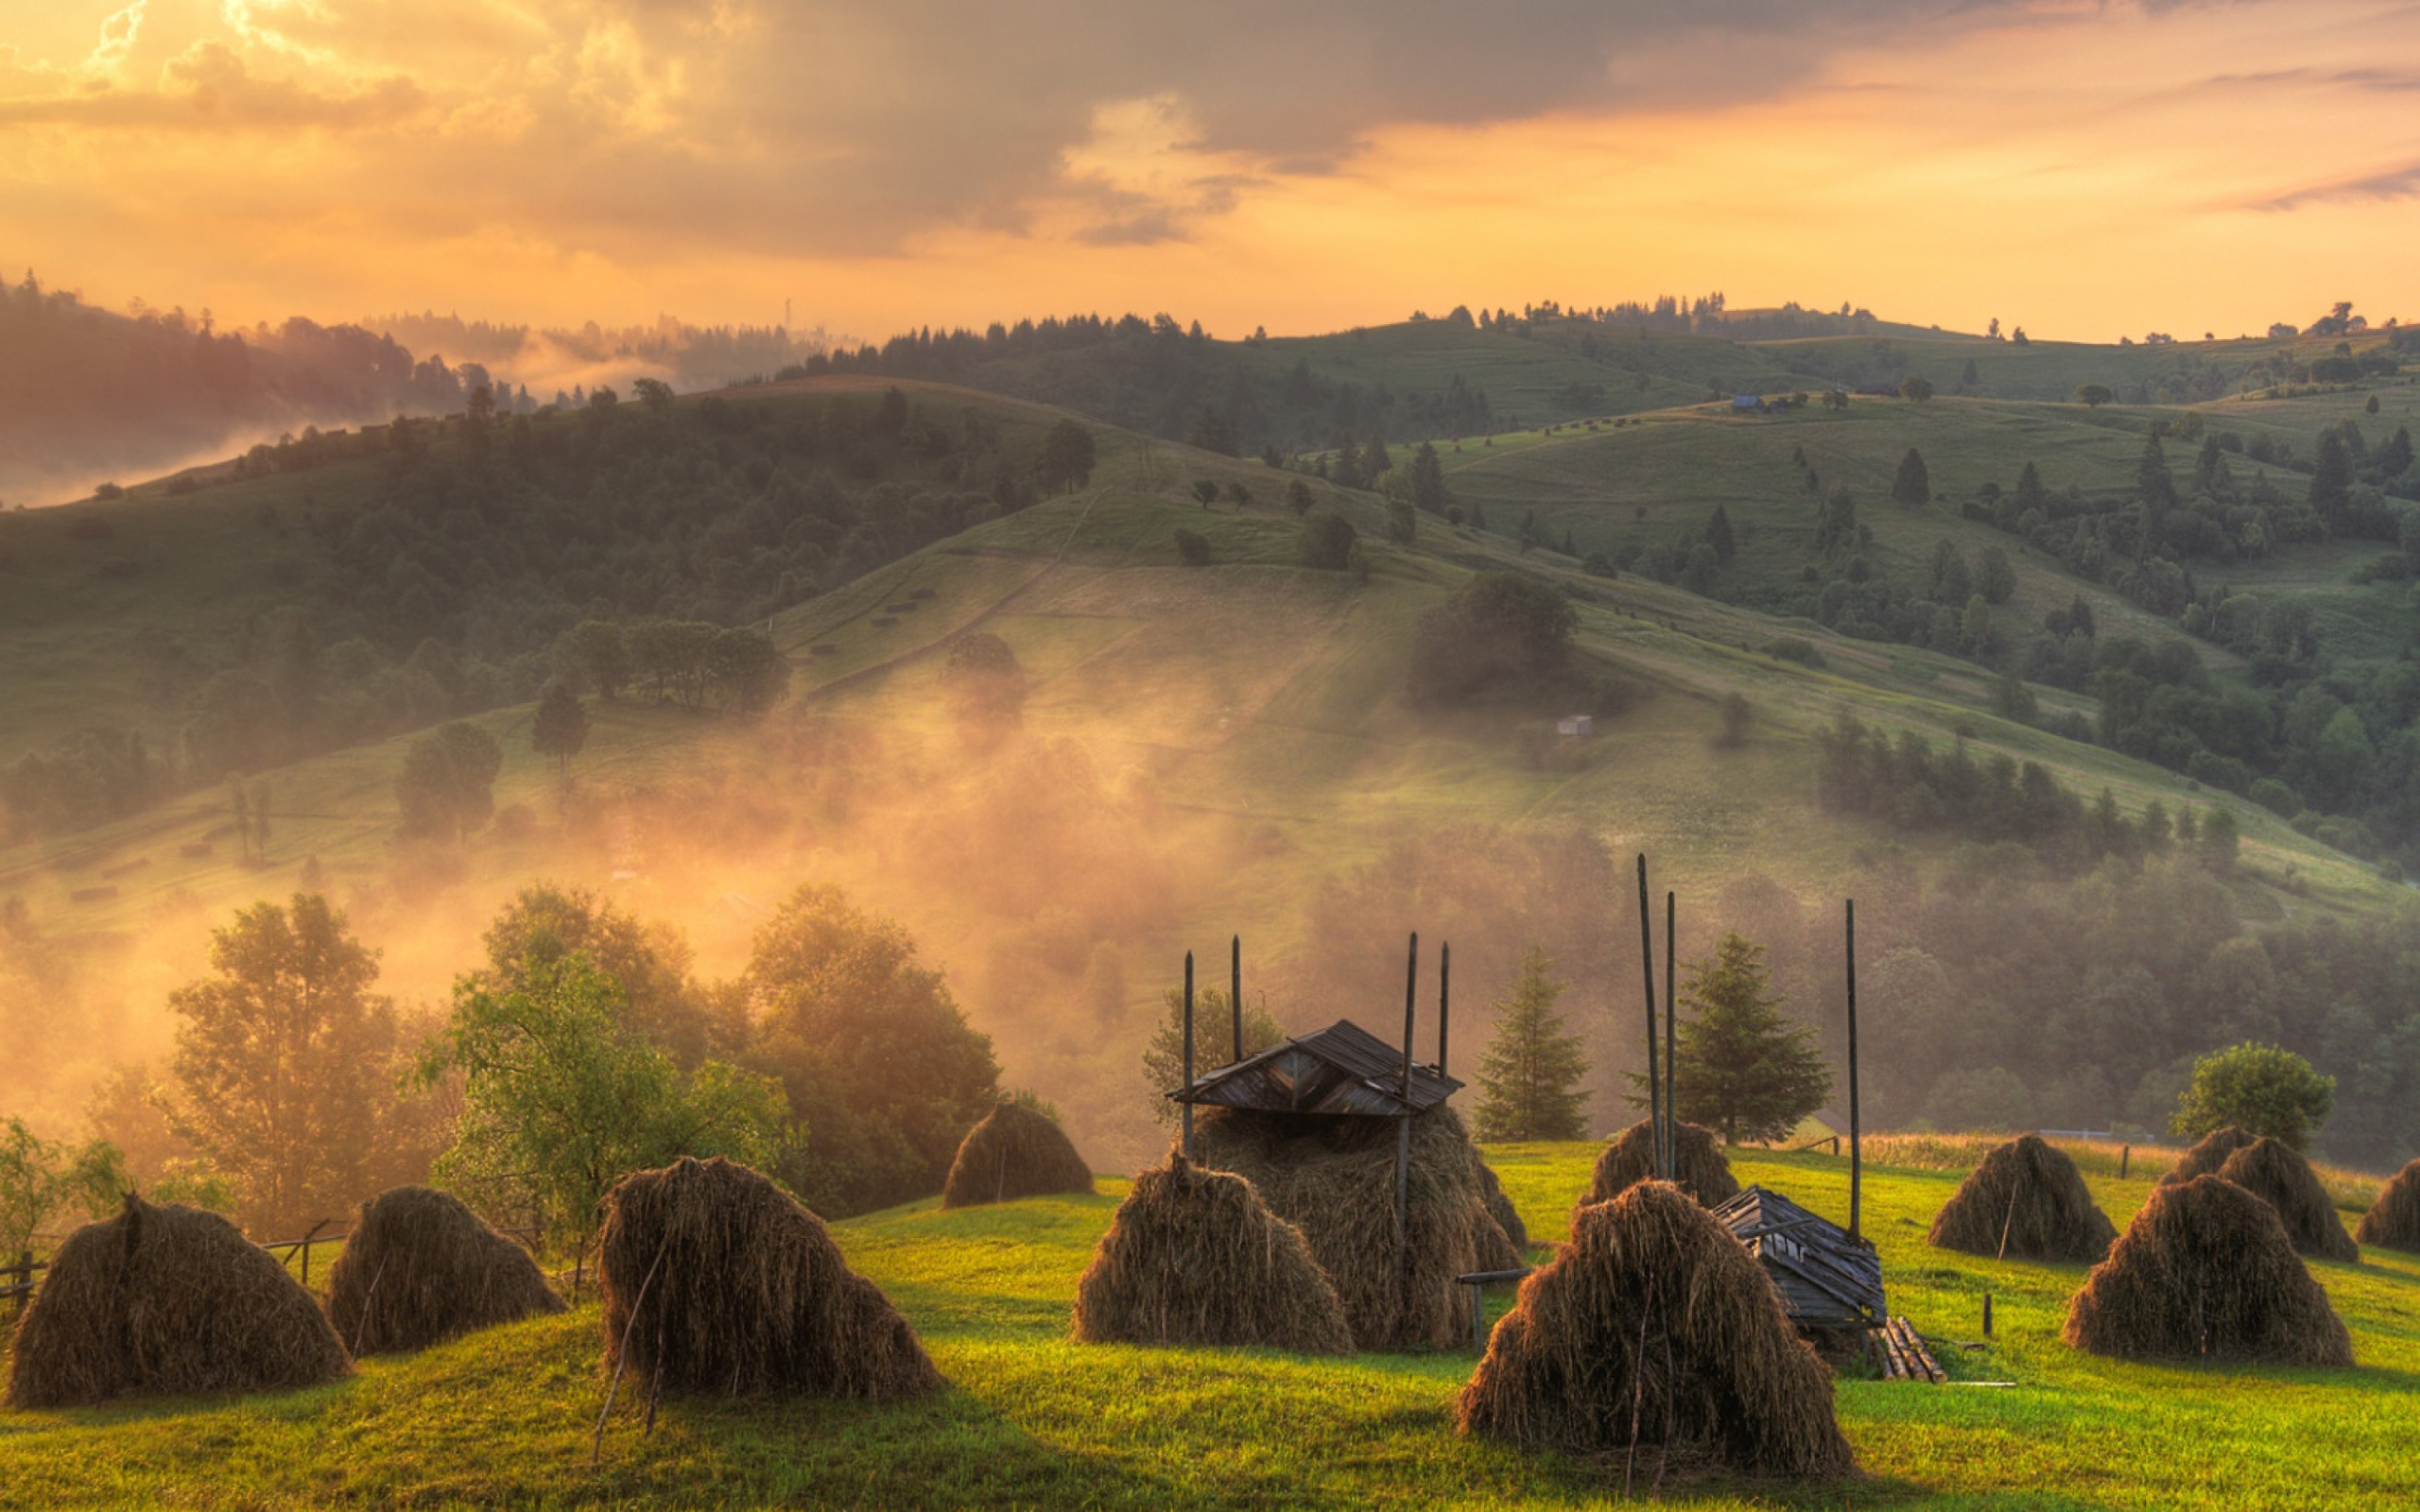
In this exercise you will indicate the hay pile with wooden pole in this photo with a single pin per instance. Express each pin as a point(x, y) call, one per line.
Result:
point(2207, 1272)
point(1656, 1339)
point(2025, 1200)
point(1334, 1179)
point(1499, 1208)
point(1698, 1165)
point(167, 1300)
point(716, 1280)
point(1015, 1152)
point(2393, 1220)
point(1195, 1257)
point(2207, 1155)
point(2285, 1180)
point(421, 1268)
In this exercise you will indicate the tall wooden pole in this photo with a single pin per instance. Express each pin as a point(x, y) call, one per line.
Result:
point(1403, 1128)
point(1671, 1037)
point(1445, 999)
point(1187, 1104)
point(1857, 1156)
point(1236, 990)
point(1647, 964)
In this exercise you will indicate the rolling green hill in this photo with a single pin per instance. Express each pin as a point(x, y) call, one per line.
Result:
point(506, 1417)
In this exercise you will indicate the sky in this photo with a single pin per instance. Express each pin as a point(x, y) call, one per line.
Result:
point(2086, 170)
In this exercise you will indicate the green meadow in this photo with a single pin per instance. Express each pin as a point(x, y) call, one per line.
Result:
point(1031, 1419)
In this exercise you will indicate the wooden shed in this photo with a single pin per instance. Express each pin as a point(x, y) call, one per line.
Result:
point(1343, 1069)
point(1826, 1279)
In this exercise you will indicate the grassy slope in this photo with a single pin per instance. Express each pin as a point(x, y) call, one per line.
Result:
point(1033, 1419)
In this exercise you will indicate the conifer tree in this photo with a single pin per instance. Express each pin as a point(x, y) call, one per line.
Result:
point(561, 727)
point(1529, 1076)
point(1914, 484)
point(1719, 536)
point(1739, 1065)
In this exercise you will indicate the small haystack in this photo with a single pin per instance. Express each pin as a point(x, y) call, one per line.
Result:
point(2206, 1157)
point(421, 1268)
point(1698, 1166)
point(2284, 1180)
point(1334, 1179)
point(2027, 1200)
point(1499, 1208)
point(2394, 1221)
point(2207, 1272)
point(1195, 1257)
point(722, 1281)
point(1654, 1333)
point(1015, 1152)
point(167, 1300)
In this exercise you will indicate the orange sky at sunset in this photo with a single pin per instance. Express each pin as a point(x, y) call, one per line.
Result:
point(2086, 170)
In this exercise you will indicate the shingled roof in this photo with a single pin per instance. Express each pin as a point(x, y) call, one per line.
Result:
point(1827, 1280)
point(1343, 1069)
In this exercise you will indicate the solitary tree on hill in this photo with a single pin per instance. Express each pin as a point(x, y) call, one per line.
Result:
point(2259, 1089)
point(560, 727)
point(1739, 1065)
point(1915, 391)
point(1067, 458)
point(1914, 483)
point(2092, 396)
point(1529, 1076)
point(447, 785)
point(1719, 536)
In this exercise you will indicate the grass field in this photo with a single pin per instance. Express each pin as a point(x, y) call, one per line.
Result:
point(1032, 1420)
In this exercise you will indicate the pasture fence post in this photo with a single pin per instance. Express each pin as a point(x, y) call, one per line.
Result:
point(1987, 1314)
point(2125, 1158)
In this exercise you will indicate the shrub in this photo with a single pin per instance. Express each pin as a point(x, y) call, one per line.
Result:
point(2260, 1088)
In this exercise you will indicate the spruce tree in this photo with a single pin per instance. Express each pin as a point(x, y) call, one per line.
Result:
point(1914, 484)
point(2331, 482)
point(1529, 1076)
point(1719, 536)
point(1739, 1065)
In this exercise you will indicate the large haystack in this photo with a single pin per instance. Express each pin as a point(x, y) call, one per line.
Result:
point(1013, 1153)
point(721, 1282)
point(2025, 1200)
point(1499, 1208)
point(1195, 1257)
point(167, 1300)
point(1656, 1328)
point(1698, 1166)
point(1334, 1179)
point(421, 1268)
point(2207, 1272)
point(2393, 1220)
point(2207, 1155)
point(2284, 1180)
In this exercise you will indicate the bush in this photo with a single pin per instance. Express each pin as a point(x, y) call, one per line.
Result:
point(1192, 548)
point(1499, 630)
point(1328, 542)
point(2259, 1089)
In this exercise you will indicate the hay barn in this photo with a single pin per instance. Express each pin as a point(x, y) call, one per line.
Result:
point(2026, 1200)
point(2285, 1180)
point(1699, 1167)
point(1827, 1280)
point(1194, 1257)
point(1319, 1125)
point(2393, 1220)
point(1654, 1338)
point(168, 1301)
point(2207, 1272)
point(718, 1281)
point(1015, 1152)
point(421, 1268)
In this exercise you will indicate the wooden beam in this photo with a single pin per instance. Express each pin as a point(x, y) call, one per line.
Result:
point(1187, 1142)
point(1236, 990)
point(1856, 1152)
point(1647, 964)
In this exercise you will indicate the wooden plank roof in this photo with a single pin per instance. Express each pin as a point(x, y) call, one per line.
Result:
point(1343, 1069)
point(1827, 1280)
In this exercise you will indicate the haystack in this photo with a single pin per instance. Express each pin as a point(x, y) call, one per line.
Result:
point(2206, 1156)
point(1195, 1257)
point(1698, 1166)
point(1013, 1153)
point(721, 1282)
point(167, 1300)
point(1334, 1179)
point(2284, 1180)
point(2027, 1200)
point(1499, 1208)
point(421, 1268)
point(1654, 1315)
point(2393, 1220)
point(2207, 1272)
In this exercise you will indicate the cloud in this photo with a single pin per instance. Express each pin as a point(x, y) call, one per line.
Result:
point(209, 88)
point(2389, 185)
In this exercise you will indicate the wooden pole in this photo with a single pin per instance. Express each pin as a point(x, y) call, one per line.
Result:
point(1856, 1152)
point(1987, 1314)
point(2125, 1158)
point(1671, 1098)
point(1647, 964)
point(1444, 998)
point(1187, 1104)
point(1236, 989)
point(1403, 1127)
